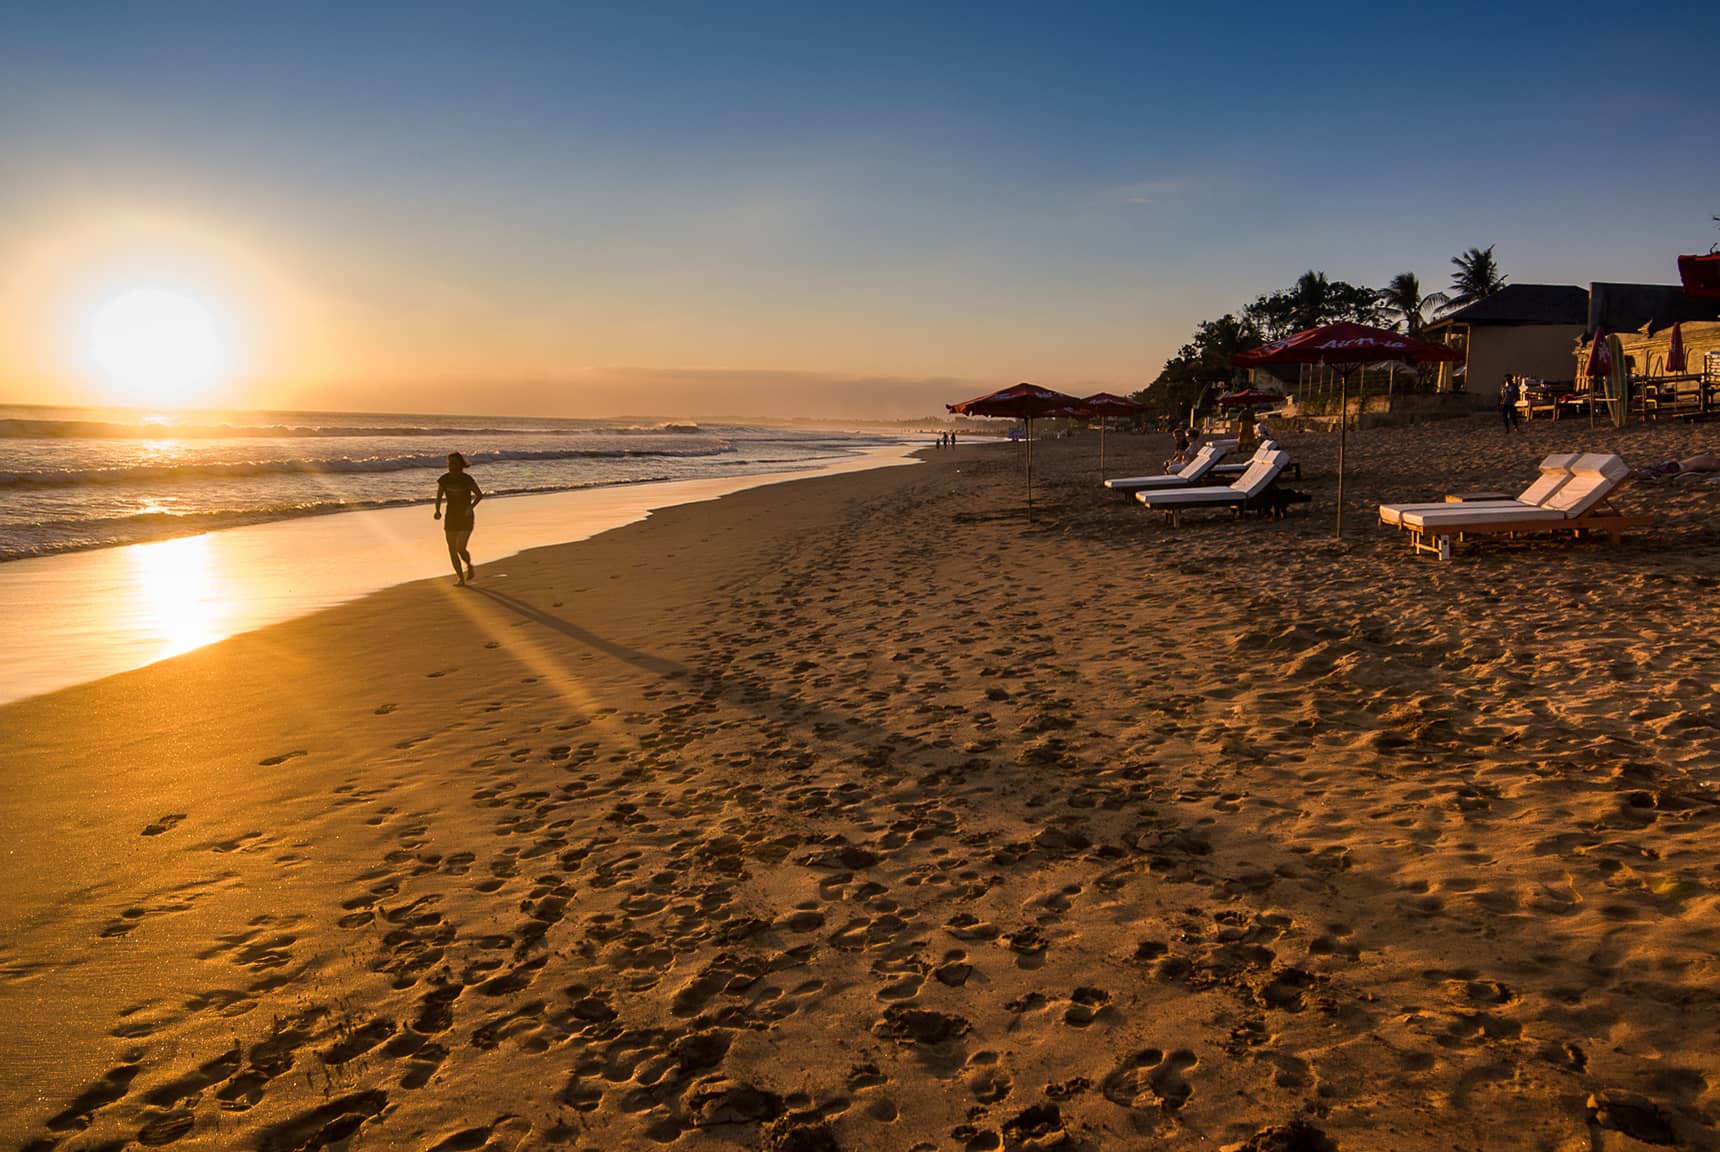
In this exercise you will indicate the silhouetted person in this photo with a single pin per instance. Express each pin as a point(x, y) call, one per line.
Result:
point(462, 493)
point(1509, 392)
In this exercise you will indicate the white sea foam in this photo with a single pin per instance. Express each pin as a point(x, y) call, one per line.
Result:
point(71, 480)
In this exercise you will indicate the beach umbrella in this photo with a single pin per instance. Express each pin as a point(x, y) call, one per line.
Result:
point(1600, 357)
point(1701, 275)
point(1344, 346)
point(1675, 361)
point(1024, 402)
point(1104, 404)
point(1599, 364)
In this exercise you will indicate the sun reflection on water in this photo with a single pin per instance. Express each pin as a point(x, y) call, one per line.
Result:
point(178, 596)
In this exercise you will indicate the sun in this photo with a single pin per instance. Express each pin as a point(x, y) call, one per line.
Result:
point(154, 346)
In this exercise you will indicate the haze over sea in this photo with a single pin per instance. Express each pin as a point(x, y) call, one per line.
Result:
point(73, 479)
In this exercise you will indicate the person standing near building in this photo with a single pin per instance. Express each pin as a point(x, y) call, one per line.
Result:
point(1509, 393)
point(463, 494)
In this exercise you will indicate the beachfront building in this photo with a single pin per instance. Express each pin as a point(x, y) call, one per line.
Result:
point(1521, 330)
point(1641, 317)
point(1644, 308)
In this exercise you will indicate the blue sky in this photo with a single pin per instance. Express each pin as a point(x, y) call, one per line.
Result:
point(597, 203)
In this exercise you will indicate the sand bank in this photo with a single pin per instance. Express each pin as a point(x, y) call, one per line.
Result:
point(859, 813)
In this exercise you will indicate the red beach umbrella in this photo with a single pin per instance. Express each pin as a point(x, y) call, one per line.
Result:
point(1249, 398)
point(1108, 404)
point(1017, 402)
point(1675, 361)
point(1024, 402)
point(1701, 275)
point(1104, 404)
point(1345, 345)
point(1600, 358)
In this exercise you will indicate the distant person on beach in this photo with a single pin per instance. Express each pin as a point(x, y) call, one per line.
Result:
point(1509, 392)
point(1182, 450)
point(463, 494)
point(1703, 465)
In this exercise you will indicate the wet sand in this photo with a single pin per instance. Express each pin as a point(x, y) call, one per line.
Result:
point(860, 813)
point(80, 616)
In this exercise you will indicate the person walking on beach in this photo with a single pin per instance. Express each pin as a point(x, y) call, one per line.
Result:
point(1509, 391)
point(463, 494)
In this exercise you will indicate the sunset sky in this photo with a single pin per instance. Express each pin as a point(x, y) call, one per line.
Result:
point(868, 209)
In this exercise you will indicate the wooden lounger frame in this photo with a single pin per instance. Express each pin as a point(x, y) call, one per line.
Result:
point(1600, 518)
point(1273, 501)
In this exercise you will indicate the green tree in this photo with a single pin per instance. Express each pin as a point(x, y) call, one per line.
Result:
point(1312, 301)
point(1402, 300)
point(1273, 315)
point(1477, 277)
point(1201, 364)
point(1313, 298)
point(1352, 302)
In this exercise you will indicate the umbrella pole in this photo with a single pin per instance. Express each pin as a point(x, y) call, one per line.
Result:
point(1101, 449)
point(1029, 422)
point(1343, 426)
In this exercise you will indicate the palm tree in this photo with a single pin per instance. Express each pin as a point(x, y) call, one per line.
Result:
point(1312, 295)
point(1403, 298)
point(1477, 278)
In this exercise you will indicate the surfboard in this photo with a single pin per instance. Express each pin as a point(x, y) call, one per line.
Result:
point(1618, 383)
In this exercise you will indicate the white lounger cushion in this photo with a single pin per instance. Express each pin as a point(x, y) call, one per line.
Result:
point(1260, 451)
point(1208, 455)
point(1555, 472)
point(1452, 517)
point(1593, 477)
point(1250, 484)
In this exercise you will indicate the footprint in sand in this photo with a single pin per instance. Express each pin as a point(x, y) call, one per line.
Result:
point(1151, 1076)
point(505, 1135)
point(987, 1079)
point(164, 824)
point(328, 1124)
point(166, 1127)
point(271, 761)
point(1086, 1003)
point(105, 1091)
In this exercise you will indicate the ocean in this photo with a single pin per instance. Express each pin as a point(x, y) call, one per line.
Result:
point(75, 479)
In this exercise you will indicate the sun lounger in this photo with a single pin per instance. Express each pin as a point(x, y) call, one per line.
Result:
point(1205, 459)
point(1239, 467)
point(1576, 506)
point(1555, 472)
point(1249, 491)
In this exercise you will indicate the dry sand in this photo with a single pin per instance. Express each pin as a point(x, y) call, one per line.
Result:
point(858, 813)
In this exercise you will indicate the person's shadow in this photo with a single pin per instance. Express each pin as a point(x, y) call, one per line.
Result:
point(591, 639)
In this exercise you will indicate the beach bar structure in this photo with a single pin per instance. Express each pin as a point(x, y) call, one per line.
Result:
point(1521, 330)
point(1657, 392)
point(1642, 317)
point(1531, 330)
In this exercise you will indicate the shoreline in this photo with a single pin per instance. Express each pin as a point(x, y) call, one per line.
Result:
point(860, 811)
point(78, 616)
